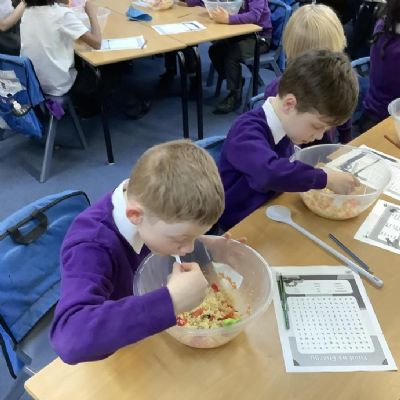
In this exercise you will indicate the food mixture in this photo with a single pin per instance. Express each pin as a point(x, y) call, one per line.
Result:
point(215, 311)
point(335, 208)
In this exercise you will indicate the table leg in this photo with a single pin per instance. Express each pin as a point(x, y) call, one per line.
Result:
point(199, 96)
point(104, 108)
point(256, 65)
point(184, 93)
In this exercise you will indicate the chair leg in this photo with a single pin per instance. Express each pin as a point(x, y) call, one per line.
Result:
point(276, 68)
point(77, 123)
point(210, 76)
point(218, 87)
point(48, 152)
point(248, 96)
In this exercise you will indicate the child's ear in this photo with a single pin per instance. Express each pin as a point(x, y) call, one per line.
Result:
point(135, 212)
point(289, 103)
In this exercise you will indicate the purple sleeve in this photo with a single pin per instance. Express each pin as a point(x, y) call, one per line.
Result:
point(264, 170)
point(253, 16)
point(271, 89)
point(88, 325)
point(194, 3)
point(344, 131)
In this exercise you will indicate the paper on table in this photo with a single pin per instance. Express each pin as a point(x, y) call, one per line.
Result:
point(333, 326)
point(134, 42)
point(140, 3)
point(382, 227)
point(393, 190)
point(171, 29)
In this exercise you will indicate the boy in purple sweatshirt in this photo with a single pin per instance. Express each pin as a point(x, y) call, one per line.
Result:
point(318, 90)
point(385, 67)
point(174, 195)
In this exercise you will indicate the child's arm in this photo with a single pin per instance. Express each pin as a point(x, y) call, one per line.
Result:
point(250, 153)
point(92, 38)
point(256, 8)
point(87, 324)
point(13, 18)
point(194, 3)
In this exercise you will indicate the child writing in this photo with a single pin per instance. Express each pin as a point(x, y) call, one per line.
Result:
point(48, 35)
point(9, 27)
point(318, 90)
point(227, 55)
point(174, 195)
point(314, 26)
point(385, 67)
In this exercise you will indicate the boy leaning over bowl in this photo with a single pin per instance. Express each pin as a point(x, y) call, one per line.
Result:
point(318, 90)
point(174, 195)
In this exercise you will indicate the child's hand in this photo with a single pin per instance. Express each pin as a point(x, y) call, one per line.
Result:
point(341, 182)
point(220, 15)
point(228, 235)
point(187, 286)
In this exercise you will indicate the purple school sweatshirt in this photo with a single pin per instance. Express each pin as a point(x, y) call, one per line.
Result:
point(252, 12)
point(97, 313)
point(384, 74)
point(344, 130)
point(253, 168)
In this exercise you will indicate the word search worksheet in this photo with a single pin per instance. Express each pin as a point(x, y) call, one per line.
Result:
point(330, 325)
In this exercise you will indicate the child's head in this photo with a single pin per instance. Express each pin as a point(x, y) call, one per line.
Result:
point(313, 26)
point(318, 90)
point(34, 3)
point(174, 195)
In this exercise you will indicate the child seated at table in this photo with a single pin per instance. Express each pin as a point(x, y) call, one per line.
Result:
point(174, 195)
point(9, 27)
point(385, 67)
point(227, 55)
point(318, 90)
point(48, 35)
point(314, 26)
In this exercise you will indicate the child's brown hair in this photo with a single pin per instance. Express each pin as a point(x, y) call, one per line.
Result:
point(178, 181)
point(324, 82)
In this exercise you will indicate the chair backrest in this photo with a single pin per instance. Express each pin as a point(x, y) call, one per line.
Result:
point(213, 145)
point(30, 243)
point(255, 101)
point(362, 67)
point(280, 14)
point(20, 92)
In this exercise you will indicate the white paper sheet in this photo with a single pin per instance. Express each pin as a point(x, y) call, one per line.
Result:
point(382, 227)
point(333, 326)
point(393, 190)
point(129, 43)
point(140, 3)
point(172, 29)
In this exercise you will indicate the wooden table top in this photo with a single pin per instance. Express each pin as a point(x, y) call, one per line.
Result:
point(251, 366)
point(118, 26)
point(181, 13)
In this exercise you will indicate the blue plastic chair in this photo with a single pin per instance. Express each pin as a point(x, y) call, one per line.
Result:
point(213, 145)
point(362, 67)
point(28, 98)
point(31, 240)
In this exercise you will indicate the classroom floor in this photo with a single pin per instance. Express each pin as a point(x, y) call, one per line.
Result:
point(20, 157)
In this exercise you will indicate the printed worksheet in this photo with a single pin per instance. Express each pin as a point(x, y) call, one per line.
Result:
point(171, 29)
point(393, 190)
point(129, 43)
point(326, 322)
point(382, 227)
